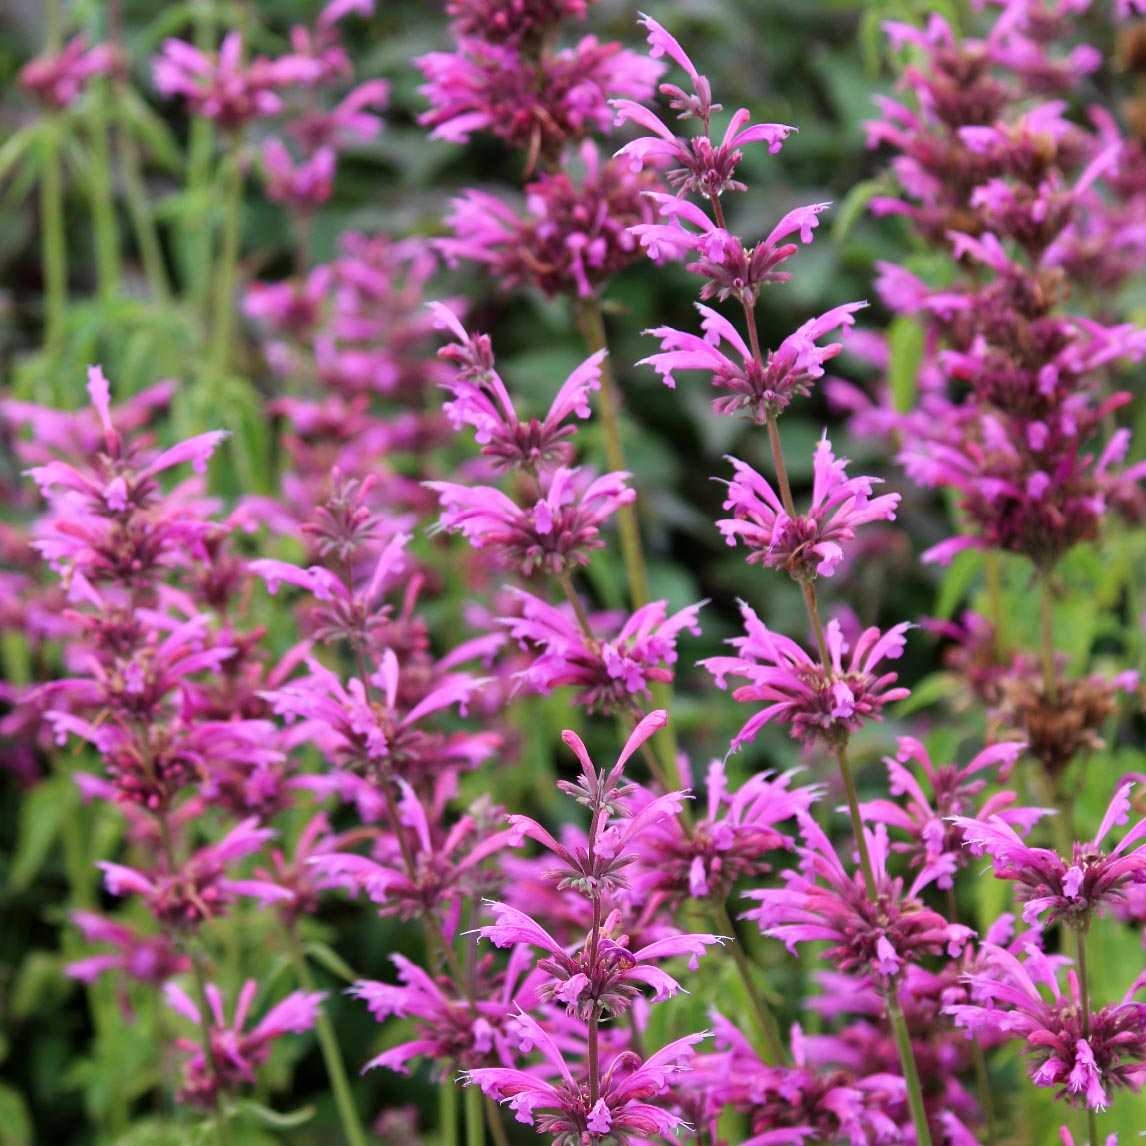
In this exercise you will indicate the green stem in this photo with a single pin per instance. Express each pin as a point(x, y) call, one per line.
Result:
point(131, 171)
point(331, 1054)
point(592, 325)
point(54, 243)
point(226, 272)
point(1046, 642)
point(910, 1073)
point(475, 1117)
point(1084, 1000)
point(196, 240)
point(775, 1054)
point(983, 1082)
point(222, 1128)
point(993, 563)
point(102, 198)
point(448, 1093)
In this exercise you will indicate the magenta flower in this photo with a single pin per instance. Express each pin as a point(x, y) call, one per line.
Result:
point(58, 81)
point(801, 1103)
point(447, 863)
point(810, 544)
point(757, 388)
point(574, 234)
point(450, 1030)
point(1083, 1068)
point(224, 89)
point(825, 901)
point(702, 165)
point(729, 843)
point(305, 185)
point(563, 1109)
point(235, 1052)
point(149, 959)
point(610, 673)
point(1074, 891)
point(373, 732)
point(512, 21)
point(603, 975)
point(481, 400)
point(732, 271)
point(555, 534)
point(929, 820)
point(534, 104)
point(820, 702)
point(200, 888)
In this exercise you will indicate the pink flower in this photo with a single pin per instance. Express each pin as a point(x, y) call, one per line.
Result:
point(200, 889)
point(235, 1052)
point(704, 167)
point(929, 821)
point(304, 185)
point(1083, 1069)
point(820, 702)
point(555, 534)
point(451, 1031)
point(482, 401)
point(58, 81)
point(564, 1107)
point(573, 236)
point(534, 104)
point(1073, 891)
point(729, 843)
point(223, 88)
point(146, 958)
point(810, 544)
point(754, 387)
point(610, 673)
point(603, 975)
point(824, 901)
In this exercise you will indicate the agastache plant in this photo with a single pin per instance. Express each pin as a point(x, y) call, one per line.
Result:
point(826, 698)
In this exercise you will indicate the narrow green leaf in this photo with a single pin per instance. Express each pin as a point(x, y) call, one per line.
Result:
point(906, 340)
point(327, 957)
point(264, 1115)
point(15, 1121)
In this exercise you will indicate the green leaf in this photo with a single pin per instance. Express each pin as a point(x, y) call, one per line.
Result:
point(930, 690)
point(852, 206)
point(906, 340)
point(326, 956)
point(15, 1121)
point(965, 568)
point(41, 816)
point(264, 1115)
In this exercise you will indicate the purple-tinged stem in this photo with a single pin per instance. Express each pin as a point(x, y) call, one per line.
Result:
point(1084, 1000)
point(594, 946)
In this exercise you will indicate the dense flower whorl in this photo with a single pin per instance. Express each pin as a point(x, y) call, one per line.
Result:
point(1083, 1068)
point(826, 703)
point(825, 901)
point(810, 544)
point(556, 533)
point(1074, 890)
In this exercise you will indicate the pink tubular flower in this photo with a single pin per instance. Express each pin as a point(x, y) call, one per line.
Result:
point(727, 844)
point(574, 234)
point(224, 89)
point(824, 901)
point(555, 534)
point(602, 976)
point(810, 544)
point(535, 104)
point(58, 81)
point(480, 400)
point(305, 185)
point(200, 889)
point(703, 166)
point(235, 1053)
point(611, 673)
point(755, 388)
point(819, 703)
point(928, 820)
point(1074, 891)
point(146, 958)
point(450, 1030)
point(1083, 1068)
point(563, 1108)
